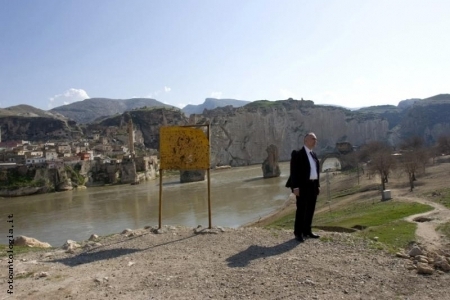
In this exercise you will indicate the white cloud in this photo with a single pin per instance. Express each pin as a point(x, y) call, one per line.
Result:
point(181, 105)
point(69, 96)
point(155, 94)
point(216, 95)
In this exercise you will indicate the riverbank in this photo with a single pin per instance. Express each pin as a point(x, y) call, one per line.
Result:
point(57, 217)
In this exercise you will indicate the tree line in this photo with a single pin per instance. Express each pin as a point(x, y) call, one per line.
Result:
point(411, 156)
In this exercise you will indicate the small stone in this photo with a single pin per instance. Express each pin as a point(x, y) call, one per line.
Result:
point(415, 251)
point(424, 269)
point(93, 237)
point(43, 274)
point(401, 255)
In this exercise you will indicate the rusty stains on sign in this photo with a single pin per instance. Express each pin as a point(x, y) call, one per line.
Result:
point(183, 148)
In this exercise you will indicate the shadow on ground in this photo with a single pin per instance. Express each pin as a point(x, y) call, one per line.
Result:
point(243, 258)
point(96, 254)
point(85, 258)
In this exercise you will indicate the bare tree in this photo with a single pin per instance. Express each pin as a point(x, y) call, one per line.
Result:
point(443, 144)
point(414, 157)
point(380, 162)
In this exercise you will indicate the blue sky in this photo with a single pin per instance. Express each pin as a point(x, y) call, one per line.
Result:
point(347, 53)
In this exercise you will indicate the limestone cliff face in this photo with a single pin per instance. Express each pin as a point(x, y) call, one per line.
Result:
point(428, 122)
point(240, 136)
point(146, 122)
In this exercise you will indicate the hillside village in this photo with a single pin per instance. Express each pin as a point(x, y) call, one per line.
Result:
point(92, 148)
point(64, 165)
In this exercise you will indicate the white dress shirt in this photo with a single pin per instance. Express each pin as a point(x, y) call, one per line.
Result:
point(313, 175)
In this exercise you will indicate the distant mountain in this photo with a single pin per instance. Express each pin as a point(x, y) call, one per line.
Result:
point(429, 112)
point(438, 99)
point(91, 109)
point(407, 103)
point(25, 122)
point(211, 103)
point(24, 110)
point(428, 118)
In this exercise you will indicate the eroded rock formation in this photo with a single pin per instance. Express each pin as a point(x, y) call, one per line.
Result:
point(239, 135)
point(270, 165)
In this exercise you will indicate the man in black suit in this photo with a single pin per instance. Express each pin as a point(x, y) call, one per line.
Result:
point(304, 182)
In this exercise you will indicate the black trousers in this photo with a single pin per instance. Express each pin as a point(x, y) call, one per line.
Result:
point(306, 204)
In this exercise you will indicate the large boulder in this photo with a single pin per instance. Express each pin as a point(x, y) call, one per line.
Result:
point(22, 240)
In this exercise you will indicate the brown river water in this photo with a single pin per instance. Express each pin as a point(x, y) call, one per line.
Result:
point(238, 196)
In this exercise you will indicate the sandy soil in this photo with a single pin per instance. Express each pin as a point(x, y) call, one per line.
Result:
point(223, 263)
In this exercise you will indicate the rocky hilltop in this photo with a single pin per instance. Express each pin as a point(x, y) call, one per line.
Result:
point(211, 103)
point(24, 122)
point(88, 110)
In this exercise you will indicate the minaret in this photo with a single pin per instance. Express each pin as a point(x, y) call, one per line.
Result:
point(131, 137)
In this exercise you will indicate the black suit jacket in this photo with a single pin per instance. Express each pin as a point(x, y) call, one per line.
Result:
point(300, 169)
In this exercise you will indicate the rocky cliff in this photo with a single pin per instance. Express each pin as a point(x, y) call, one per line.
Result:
point(239, 136)
point(38, 128)
point(211, 103)
point(145, 121)
point(428, 118)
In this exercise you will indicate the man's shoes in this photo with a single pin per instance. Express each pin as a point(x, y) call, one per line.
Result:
point(312, 235)
point(299, 238)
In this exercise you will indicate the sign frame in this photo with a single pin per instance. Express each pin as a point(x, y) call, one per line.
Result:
point(197, 160)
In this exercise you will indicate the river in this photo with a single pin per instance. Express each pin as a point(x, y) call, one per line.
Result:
point(238, 196)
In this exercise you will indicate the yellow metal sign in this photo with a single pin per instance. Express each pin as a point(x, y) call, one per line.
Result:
point(183, 148)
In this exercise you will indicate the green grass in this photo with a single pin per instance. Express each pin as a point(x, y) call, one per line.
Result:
point(444, 229)
point(391, 236)
point(347, 192)
point(440, 196)
point(379, 219)
point(262, 104)
point(369, 214)
point(19, 250)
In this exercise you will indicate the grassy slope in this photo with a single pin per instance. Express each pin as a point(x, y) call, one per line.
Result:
point(353, 203)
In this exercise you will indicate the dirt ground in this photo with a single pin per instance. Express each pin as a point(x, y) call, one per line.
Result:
point(245, 263)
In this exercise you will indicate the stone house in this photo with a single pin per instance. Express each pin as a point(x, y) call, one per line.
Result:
point(50, 155)
point(84, 156)
point(63, 148)
point(35, 160)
